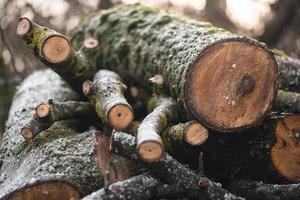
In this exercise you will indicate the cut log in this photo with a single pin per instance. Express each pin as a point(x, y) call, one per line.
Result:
point(211, 73)
point(106, 92)
point(172, 171)
point(149, 143)
point(288, 101)
point(48, 113)
point(52, 163)
point(55, 51)
point(138, 187)
point(286, 151)
point(289, 72)
point(258, 190)
point(258, 154)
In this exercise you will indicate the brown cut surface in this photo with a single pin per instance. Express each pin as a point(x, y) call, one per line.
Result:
point(286, 151)
point(56, 49)
point(42, 110)
point(232, 85)
point(120, 116)
point(23, 27)
point(52, 190)
point(26, 133)
point(86, 87)
point(195, 133)
point(150, 151)
point(90, 43)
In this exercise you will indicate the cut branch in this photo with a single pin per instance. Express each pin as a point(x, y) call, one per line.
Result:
point(149, 143)
point(203, 54)
point(55, 51)
point(107, 94)
point(172, 171)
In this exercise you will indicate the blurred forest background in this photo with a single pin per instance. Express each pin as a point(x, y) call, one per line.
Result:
point(275, 22)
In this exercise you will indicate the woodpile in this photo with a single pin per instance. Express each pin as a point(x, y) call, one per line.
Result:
point(145, 105)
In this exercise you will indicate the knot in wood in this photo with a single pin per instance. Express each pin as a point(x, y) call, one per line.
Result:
point(244, 85)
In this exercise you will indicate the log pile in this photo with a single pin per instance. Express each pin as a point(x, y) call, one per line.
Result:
point(145, 105)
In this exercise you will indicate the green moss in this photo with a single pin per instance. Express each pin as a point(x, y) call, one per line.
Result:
point(57, 130)
point(278, 52)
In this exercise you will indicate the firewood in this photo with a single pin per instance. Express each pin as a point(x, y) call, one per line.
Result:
point(288, 101)
point(289, 72)
point(106, 92)
point(48, 113)
point(58, 162)
point(56, 52)
point(172, 171)
point(258, 190)
point(258, 154)
point(149, 143)
point(212, 74)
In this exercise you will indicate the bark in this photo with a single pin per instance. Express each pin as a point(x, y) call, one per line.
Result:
point(48, 113)
point(149, 143)
point(289, 72)
point(259, 190)
point(288, 101)
point(55, 158)
point(137, 187)
point(172, 171)
point(55, 51)
point(139, 43)
point(106, 92)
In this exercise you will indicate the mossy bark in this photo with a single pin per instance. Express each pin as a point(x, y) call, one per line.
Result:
point(74, 70)
point(163, 112)
point(289, 72)
point(69, 109)
point(288, 101)
point(58, 154)
point(172, 171)
point(106, 92)
point(139, 42)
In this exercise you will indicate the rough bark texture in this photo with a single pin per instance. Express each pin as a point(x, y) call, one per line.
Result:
point(288, 101)
point(289, 72)
point(137, 187)
point(57, 155)
point(73, 69)
point(107, 94)
point(140, 42)
point(258, 190)
point(172, 171)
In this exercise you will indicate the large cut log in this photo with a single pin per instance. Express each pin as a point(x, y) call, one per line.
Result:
point(259, 154)
point(211, 73)
point(173, 172)
point(59, 162)
point(55, 51)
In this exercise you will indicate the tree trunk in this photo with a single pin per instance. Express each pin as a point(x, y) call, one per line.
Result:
point(140, 42)
point(54, 160)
